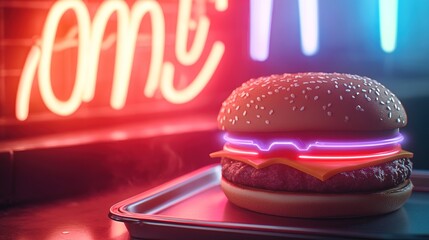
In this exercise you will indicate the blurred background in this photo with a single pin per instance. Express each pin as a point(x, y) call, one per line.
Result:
point(107, 89)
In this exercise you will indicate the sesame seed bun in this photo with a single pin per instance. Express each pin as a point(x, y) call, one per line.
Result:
point(283, 131)
point(311, 102)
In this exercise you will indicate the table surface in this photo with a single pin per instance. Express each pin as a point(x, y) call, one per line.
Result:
point(80, 217)
point(86, 217)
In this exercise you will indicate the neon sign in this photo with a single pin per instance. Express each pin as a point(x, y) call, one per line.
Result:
point(316, 144)
point(261, 12)
point(315, 149)
point(88, 38)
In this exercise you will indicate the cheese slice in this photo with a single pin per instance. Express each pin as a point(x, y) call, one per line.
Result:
point(321, 169)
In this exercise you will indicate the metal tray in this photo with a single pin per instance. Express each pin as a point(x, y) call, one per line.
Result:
point(194, 206)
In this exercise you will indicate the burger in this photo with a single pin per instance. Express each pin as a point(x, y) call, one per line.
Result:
point(314, 145)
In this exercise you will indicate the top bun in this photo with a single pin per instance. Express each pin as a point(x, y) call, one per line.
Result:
point(311, 102)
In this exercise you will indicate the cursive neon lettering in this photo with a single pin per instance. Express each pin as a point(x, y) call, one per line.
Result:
point(128, 42)
point(89, 44)
point(47, 41)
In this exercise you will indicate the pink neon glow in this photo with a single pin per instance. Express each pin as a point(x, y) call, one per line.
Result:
point(315, 144)
point(380, 154)
point(233, 150)
point(309, 24)
point(260, 28)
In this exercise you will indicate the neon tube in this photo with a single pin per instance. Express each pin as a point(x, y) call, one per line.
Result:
point(87, 36)
point(260, 28)
point(309, 25)
point(388, 13)
point(380, 154)
point(317, 144)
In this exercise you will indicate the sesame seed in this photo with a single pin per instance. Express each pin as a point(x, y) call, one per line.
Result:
point(389, 115)
point(292, 95)
point(259, 99)
point(388, 108)
point(238, 107)
point(267, 122)
point(244, 113)
point(271, 112)
point(315, 98)
point(329, 113)
point(329, 91)
point(248, 122)
point(302, 108)
point(359, 108)
point(293, 108)
point(258, 116)
point(247, 105)
point(341, 98)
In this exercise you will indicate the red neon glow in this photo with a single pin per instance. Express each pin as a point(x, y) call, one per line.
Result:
point(89, 36)
point(350, 157)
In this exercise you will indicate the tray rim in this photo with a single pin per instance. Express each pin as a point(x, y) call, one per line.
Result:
point(119, 212)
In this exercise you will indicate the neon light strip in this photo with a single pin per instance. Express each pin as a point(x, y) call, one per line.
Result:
point(260, 28)
point(381, 154)
point(317, 144)
point(233, 150)
point(309, 24)
point(388, 13)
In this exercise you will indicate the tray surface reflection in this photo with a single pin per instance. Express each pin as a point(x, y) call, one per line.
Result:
point(194, 205)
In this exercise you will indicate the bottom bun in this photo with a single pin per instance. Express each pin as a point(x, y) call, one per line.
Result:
point(317, 205)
